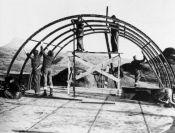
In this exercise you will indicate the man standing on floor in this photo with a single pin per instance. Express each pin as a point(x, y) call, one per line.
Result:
point(136, 67)
point(35, 63)
point(79, 33)
point(47, 70)
point(114, 30)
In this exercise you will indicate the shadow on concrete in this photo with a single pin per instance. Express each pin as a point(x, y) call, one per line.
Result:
point(26, 131)
point(140, 94)
point(31, 95)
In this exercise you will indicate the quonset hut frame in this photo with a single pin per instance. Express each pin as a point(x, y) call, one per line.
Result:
point(59, 33)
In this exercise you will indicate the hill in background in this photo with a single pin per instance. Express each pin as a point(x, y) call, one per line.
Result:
point(15, 43)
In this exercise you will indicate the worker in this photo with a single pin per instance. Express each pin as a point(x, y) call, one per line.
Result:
point(79, 31)
point(36, 72)
point(114, 32)
point(47, 70)
point(136, 68)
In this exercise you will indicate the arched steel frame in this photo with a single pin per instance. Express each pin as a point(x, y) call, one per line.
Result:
point(98, 24)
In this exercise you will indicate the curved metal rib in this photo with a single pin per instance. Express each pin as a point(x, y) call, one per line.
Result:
point(98, 24)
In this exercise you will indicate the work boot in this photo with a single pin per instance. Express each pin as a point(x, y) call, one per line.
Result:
point(82, 50)
point(77, 50)
point(45, 93)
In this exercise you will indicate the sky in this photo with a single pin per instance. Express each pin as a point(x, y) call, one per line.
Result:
point(156, 18)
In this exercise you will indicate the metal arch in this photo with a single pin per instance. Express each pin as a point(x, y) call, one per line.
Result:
point(141, 47)
point(152, 51)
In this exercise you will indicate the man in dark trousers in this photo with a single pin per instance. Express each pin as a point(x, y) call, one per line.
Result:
point(79, 33)
point(36, 64)
point(114, 30)
point(136, 67)
point(47, 70)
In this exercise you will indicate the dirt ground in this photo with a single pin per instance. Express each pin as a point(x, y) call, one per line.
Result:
point(91, 111)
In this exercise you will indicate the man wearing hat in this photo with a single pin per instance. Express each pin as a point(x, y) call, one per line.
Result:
point(79, 33)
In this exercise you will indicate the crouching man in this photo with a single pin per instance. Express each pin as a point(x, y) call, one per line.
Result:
point(11, 89)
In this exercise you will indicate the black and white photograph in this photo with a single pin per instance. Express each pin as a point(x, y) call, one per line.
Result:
point(87, 66)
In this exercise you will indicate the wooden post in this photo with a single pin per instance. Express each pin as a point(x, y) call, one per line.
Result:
point(106, 36)
point(30, 81)
point(106, 15)
point(108, 47)
point(107, 43)
point(69, 76)
point(102, 78)
point(119, 89)
point(109, 54)
point(74, 65)
point(119, 63)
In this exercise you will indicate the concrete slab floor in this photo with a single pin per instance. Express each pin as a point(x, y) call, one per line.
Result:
point(87, 113)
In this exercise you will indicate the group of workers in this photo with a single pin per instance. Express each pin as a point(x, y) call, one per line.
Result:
point(79, 32)
point(48, 58)
point(45, 69)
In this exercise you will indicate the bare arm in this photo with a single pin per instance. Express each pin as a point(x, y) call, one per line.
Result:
point(42, 52)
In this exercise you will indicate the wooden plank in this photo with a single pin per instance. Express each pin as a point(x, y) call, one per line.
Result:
point(104, 63)
point(86, 52)
point(108, 75)
point(84, 62)
point(95, 68)
point(81, 75)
